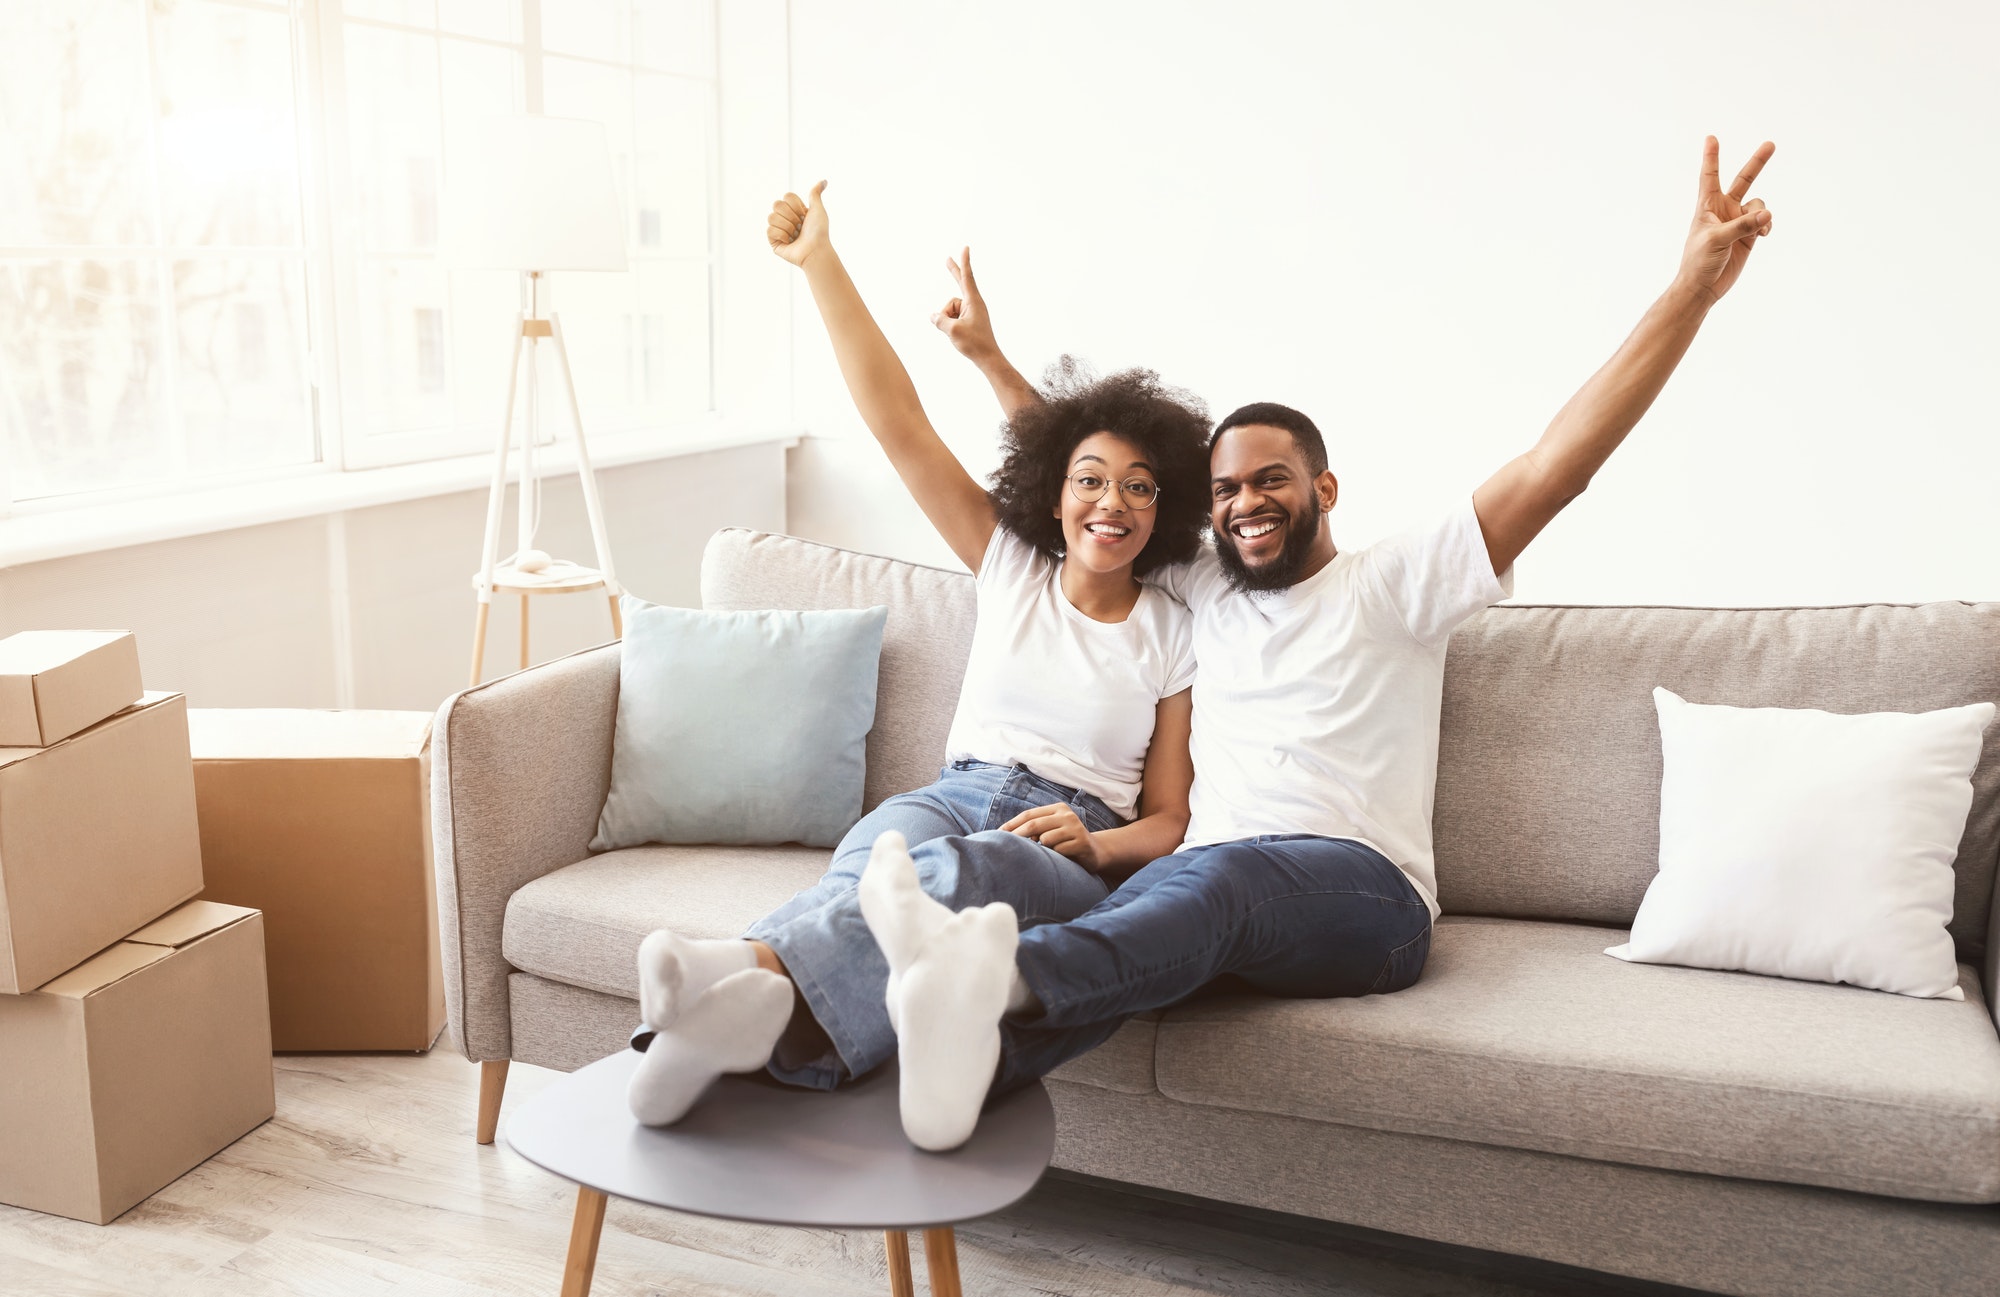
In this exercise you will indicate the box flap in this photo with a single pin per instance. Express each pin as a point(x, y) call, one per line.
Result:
point(191, 921)
point(30, 652)
point(104, 969)
point(268, 733)
point(151, 698)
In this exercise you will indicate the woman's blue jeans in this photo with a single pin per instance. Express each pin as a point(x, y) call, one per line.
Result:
point(962, 860)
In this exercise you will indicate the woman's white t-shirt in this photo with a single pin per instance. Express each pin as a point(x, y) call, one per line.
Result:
point(1068, 697)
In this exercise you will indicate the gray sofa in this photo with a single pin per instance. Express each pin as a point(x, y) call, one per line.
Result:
point(1530, 1095)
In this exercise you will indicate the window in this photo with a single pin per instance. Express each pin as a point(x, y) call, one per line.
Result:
point(154, 320)
point(219, 225)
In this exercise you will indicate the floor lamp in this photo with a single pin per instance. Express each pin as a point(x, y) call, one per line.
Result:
point(534, 194)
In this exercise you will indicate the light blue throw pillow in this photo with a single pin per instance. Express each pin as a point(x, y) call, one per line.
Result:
point(740, 727)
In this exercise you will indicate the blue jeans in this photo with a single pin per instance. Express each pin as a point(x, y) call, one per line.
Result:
point(962, 860)
point(1284, 914)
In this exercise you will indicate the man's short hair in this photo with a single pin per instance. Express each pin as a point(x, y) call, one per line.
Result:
point(1312, 447)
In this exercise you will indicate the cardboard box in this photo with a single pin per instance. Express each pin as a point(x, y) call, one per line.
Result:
point(97, 837)
point(136, 1066)
point(54, 683)
point(321, 819)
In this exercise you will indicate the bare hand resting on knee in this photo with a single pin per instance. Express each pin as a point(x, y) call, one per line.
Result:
point(1059, 828)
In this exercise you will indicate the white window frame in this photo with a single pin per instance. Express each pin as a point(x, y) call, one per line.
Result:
point(320, 323)
point(749, 393)
point(359, 450)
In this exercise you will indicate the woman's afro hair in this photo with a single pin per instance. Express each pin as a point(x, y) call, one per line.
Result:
point(1168, 424)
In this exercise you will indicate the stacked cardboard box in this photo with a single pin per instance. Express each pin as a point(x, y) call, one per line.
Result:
point(134, 1023)
point(321, 819)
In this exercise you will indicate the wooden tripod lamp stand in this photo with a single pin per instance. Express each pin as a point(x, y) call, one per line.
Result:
point(535, 194)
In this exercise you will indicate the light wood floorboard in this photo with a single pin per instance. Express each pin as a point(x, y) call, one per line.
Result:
point(368, 1180)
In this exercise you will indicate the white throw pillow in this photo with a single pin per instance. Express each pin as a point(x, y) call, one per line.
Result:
point(1806, 844)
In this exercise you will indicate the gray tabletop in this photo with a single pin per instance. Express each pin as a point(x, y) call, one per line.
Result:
point(755, 1150)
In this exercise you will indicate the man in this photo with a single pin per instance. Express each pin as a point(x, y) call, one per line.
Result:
point(1307, 868)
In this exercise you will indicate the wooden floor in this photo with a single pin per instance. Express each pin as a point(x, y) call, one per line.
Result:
point(368, 1181)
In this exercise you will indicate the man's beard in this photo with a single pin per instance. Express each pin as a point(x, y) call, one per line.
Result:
point(1283, 571)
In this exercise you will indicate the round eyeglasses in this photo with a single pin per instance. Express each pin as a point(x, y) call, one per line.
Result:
point(1136, 492)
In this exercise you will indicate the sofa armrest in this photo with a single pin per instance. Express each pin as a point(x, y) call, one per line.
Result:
point(519, 769)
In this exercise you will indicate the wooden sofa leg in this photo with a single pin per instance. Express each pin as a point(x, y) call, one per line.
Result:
point(492, 1083)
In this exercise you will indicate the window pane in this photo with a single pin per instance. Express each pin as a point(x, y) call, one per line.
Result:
point(403, 376)
point(74, 164)
point(80, 348)
point(674, 36)
point(638, 343)
point(670, 167)
point(417, 13)
point(674, 337)
point(244, 393)
point(392, 98)
point(498, 20)
point(228, 138)
point(593, 28)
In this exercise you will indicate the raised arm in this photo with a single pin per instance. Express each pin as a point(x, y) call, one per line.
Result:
point(1518, 501)
point(965, 321)
point(957, 506)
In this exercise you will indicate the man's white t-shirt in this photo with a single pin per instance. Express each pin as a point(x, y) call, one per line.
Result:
point(1071, 698)
point(1316, 707)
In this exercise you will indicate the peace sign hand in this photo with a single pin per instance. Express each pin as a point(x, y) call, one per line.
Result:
point(1725, 227)
point(964, 319)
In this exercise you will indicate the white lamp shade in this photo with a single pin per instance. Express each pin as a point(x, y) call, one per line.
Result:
point(532, 193)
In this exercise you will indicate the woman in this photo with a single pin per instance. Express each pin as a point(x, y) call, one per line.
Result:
point(1068, 755)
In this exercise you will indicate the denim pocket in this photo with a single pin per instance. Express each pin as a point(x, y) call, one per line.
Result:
point(1404, 964)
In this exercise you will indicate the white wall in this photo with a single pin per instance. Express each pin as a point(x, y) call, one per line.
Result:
point(374, 607)
point(1426, 225)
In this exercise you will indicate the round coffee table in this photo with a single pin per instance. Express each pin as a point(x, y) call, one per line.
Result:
point(755, 1150)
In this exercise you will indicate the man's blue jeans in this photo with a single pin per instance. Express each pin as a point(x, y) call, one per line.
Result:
point(962, 860)
point(1284, 914)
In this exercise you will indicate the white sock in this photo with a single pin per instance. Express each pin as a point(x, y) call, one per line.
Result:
point(675, 970)
point(948, 1005)
point(950, 977)
point(899, 913)
point(730, 1027)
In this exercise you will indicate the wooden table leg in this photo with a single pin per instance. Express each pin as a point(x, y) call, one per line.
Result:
point(617, 620)
point(901, 1282)
point(524, 632)
point(492, 1084)
point(583, 1235)
point(941, 1262)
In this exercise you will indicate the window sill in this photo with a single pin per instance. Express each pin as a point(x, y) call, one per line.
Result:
point(86, 528)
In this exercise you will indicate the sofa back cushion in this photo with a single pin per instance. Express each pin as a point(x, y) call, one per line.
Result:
point(1548, 792)
point(924, 645)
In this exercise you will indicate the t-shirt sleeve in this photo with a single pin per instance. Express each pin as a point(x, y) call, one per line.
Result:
point(1009, 562)
point(1180, 652)
point(1435, 577)
point(1192, 582)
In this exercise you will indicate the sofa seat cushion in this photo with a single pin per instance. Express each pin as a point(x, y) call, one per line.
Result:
point(1526, 1035)
point(582, 924)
